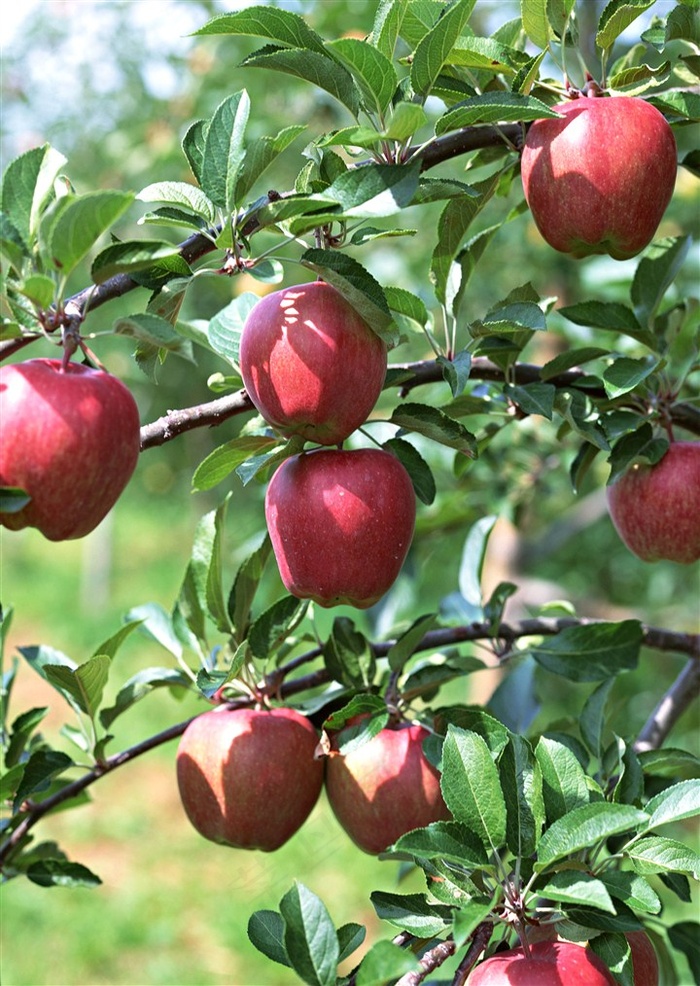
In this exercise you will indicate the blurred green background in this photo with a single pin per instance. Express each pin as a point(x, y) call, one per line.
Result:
point(123, 83)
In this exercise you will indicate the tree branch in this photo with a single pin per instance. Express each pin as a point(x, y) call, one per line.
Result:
point(431, 960)
point(682, 693)
point(480, 939)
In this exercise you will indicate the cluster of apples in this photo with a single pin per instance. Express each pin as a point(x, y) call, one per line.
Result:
point(341, 522)
point(70, 442)
point(249, 778)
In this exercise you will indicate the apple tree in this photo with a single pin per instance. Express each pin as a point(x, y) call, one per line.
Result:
point(361, 393)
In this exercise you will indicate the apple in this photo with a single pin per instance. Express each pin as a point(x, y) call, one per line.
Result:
point(645, 964)
point(385, 788)
point(341, 524)
point(656, 509)
point(310, 363)
point(548, 964)
point(598, 179)
point(70, 440)
point(247, 777)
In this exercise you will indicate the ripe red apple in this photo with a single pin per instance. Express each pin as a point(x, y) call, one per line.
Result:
point(656, 509)
point(549, 964)
point(599, 180)
point(341, 524)
point(385, 788)
point(645, 964)
point(70, 439)
point(248, 777)
point(311, 364)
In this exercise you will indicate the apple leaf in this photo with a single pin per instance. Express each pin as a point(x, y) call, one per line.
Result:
point(357, 286)
point(521, 783)
point(85, 684)
point(670, 762)
point(570, 359)
point(593, 715)
point(472, 563)
point(564, 785)
point(677, 802)
point(616, 17)
point(411, 912)
point(536, 22)
point(128, 256)
point(312, 66)
point(684, 935)
point(152, 330)
point(266, 932)
point(456, 370)
point(450, 841)
point(350, 937)
point(624, 374)
point(584, 827)
point(39, 770)
point(225, 327)
point(225, 458)
point(384, 962)
point(613, 948)
point(22, 729)
point(260, 154)
point(610, 315)
point(373, 72)
point(224, 151)
point(655, 273)
point(245, 585)
point(140, 685)
point(368, 193)
point(406, 644)
point(434, 48)
point(309, 936)
point(436, 425)
point(416, 467)
point(27, 187)
point(632, 890)
point(533, 398)
point(591, 652)
point(347, 655)
point(39, 288)
point(72, 227)
point(471, 786)
point(274, 23)
point(274, 625)
point(592, 918)
point(154, 622)
point(576, 887)
point(13, 499)
point(635, 446)
point(180, 193)
point(493, 107)
point(61, 873)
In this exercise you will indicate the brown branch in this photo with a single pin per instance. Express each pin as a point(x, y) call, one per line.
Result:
point(431, 960)
point(175, 423)
point(480, 939)
point(682, 693)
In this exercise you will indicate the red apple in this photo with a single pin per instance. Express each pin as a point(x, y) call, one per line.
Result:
point(341, 524)
point(656, 509)
point(599, 179)
point(548, 964)
point(248, 777)
point(311, 365)
point(385, 788)
point(70, 439)
point(645, 965)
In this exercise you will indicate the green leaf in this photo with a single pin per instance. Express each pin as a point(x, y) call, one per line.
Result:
point(371, 192)
point(436, 425)
point(357, 285)
point(274, 23)
point(27, 187)
point(416, 467)
point(373, 72)
point(616, 17)
point(275, 624)
point(350, 937)
point(521, 783)
point(406, 644)
point(224, 151)
point(450, 841)
point(493, 107)
point(128, 256)
point(226, 458)
point(383, 963)
point(61, 873)
point(576, 887)
point(536, 22)
point(684, 936)
point(152, 330)
point(245, 586)
point(225, 327)
point(71, 231)
point(20, 734)
point(154, 621)
point(85, 684)
point(260, 153)
point(13, 499)
point(609, 315)
point(593, 717)
point(406, 119)
point(456, 370)
point(584, 827)
point(677, 802)
point(624, 374)
point(637, 445)
point(471, 786)
point(140, 685)
point(347, 655)
point(318, 69)
point(613, 948)
point(631, 889)
point(570, 359)
point(309, 936)
point(655, 273)
point(533, 398)
point(472, 562)
point(183, 194)
point(39, 288)
point(433, 50)
point(411, 912)
point(656, 854)
point(564, 785)
point(39, 771)
point(387, 26)
point(266, 932)
point(592, 652)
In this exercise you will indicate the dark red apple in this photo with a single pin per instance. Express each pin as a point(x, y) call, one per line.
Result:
point(70, 439)
point(548, 964)
point(341, 524)
point(311, 364)
point(645, 964)
point(385, 788)
point(656, 509)
point(599, 179)
point(248, 777)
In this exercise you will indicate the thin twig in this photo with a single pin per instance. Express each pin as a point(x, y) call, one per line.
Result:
point(480, 940)
point(428, 962)
point(682, 693)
